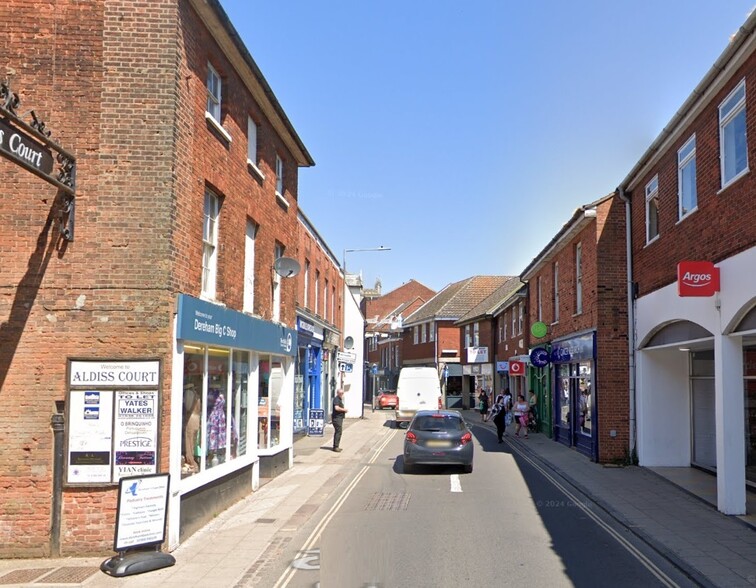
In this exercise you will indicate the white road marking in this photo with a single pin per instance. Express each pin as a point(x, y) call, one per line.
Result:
point(456, 485)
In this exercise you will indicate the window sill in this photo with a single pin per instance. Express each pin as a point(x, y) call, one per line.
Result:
point(651, 241)
point(282, 200)
point(686, 215)
point(734, 180)
point(218, 127)
point(255, 170)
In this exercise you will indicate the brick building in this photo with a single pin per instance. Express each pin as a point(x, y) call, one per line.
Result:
point(160, 325)
point(431, 336)
point(320, 318)
point(690, 199)
point(384, 317)
point(480, 342)
point(576, 290)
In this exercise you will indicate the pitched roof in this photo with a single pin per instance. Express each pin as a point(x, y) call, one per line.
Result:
point(488, 306)
point(383, 307)
point(456, 299)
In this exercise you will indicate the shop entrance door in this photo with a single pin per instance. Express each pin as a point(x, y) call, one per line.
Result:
point(704, 452)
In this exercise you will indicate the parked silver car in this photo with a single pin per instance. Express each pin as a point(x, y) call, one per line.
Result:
point(438, 437)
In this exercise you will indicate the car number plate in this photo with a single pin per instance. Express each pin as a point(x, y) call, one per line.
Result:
point(433, 443)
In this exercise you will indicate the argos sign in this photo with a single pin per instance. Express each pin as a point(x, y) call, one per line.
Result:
point(697, 278)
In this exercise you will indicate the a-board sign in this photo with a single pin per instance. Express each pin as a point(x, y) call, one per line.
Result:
point(142, 509)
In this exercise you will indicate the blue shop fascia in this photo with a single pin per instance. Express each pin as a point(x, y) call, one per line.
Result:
point(233, 377)
point(315, 378)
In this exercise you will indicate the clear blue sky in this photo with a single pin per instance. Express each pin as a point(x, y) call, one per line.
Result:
point(463, 134)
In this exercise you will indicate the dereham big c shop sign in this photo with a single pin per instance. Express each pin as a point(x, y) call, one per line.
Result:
point(697, 278)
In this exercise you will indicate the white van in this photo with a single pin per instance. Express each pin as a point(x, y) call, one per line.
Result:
point(419, 388)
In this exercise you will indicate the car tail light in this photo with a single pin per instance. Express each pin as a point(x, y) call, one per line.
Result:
point(411, 437)
point(466, 438)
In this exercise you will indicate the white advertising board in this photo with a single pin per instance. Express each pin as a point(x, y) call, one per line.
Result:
point(142, 507)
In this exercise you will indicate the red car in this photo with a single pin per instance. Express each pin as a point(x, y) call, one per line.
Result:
point(386, 399)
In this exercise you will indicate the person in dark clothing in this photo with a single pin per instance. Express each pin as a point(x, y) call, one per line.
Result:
point(337, 418)
point(483, 404)
point(498, 412)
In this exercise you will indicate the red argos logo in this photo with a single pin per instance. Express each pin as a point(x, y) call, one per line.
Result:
point(697, 278)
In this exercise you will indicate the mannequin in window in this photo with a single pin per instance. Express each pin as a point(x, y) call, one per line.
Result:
point(191, 430)
point(216, 430)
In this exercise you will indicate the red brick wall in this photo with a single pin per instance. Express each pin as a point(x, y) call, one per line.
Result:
point(724, 223)
point(604, 296)
point(126, 95)
point(308, 249)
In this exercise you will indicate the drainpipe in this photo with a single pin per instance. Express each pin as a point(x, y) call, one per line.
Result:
point(57, 422)
point(630, 320)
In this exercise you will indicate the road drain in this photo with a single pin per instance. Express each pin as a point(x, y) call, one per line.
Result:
point(388, 501)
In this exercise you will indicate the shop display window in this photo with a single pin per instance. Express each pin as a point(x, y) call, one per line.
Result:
point(214, 429)
point(269, 408)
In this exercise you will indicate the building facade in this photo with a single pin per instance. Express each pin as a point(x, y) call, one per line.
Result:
point(578, 332)
point(155, 337)
point(693, 236)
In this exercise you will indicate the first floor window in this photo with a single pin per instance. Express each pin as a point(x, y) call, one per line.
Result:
point(210, 244)
point(733, 146)
point(652, 210)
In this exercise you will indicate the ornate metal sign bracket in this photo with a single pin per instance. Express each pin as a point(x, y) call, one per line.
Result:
point(28, 145)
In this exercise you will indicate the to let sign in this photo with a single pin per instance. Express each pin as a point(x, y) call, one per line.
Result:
point(697, 278)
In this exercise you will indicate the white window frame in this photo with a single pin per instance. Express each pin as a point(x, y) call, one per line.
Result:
point(520, 317)
point(556, 291)
point(333, 304)
point(729, 110)
point(476, 335)
point(214, 85)
point(279, 177)
point(468, 337)
point(317, 290)
point(686, 160)
point(424, 333)
point(540, 307)
point(210, 245)
point(325, 299)
point(652, 212)
point(579, 278)
point(514, 322)
point(276, 285)
point(306, 283)
point(252, 147)
point(415, 336)
point(249, 267)
point(431, 332)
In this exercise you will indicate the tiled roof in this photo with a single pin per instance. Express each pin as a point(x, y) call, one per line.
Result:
point(488, 305)
point(457, 299)
point(383, 307)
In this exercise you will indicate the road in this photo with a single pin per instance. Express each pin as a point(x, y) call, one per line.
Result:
point(510, 522)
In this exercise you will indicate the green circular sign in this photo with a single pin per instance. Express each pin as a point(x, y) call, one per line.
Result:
point(539, 330)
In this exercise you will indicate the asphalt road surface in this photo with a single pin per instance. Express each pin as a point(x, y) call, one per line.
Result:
point(510, 522)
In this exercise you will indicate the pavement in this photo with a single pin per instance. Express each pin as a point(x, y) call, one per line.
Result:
point(241, 543)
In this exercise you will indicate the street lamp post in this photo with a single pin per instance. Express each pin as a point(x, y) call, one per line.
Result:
point(343, 265)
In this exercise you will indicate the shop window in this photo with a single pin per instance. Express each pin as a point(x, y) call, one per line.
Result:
point(269, 409)
point(214, 429)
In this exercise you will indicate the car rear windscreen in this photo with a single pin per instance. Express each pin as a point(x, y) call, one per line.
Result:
point(430, 423)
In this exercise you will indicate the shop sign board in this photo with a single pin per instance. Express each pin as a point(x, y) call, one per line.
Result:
point(502, 366)
point(113, 412)
point(697, 278)
point(539, 357)
point(516, 368)
point(580, 348)
point(346, 356)
point(316, 422)
point(477, 354)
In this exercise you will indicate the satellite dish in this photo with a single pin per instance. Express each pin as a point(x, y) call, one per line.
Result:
point(286, 267)
point(348, 343)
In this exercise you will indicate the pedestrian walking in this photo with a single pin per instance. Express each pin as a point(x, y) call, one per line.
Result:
point(498, 412)
point(521, 415)
point(337, 418)
point(483, 404)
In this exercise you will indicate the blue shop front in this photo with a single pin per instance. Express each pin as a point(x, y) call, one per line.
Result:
point(574, 361)
point(232, 415)
point(310, 356)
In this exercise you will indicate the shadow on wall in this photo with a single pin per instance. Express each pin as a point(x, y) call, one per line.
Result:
point(49, 241)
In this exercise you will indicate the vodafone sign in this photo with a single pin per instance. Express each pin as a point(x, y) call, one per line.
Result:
point(697, 278)
point(516, 368)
